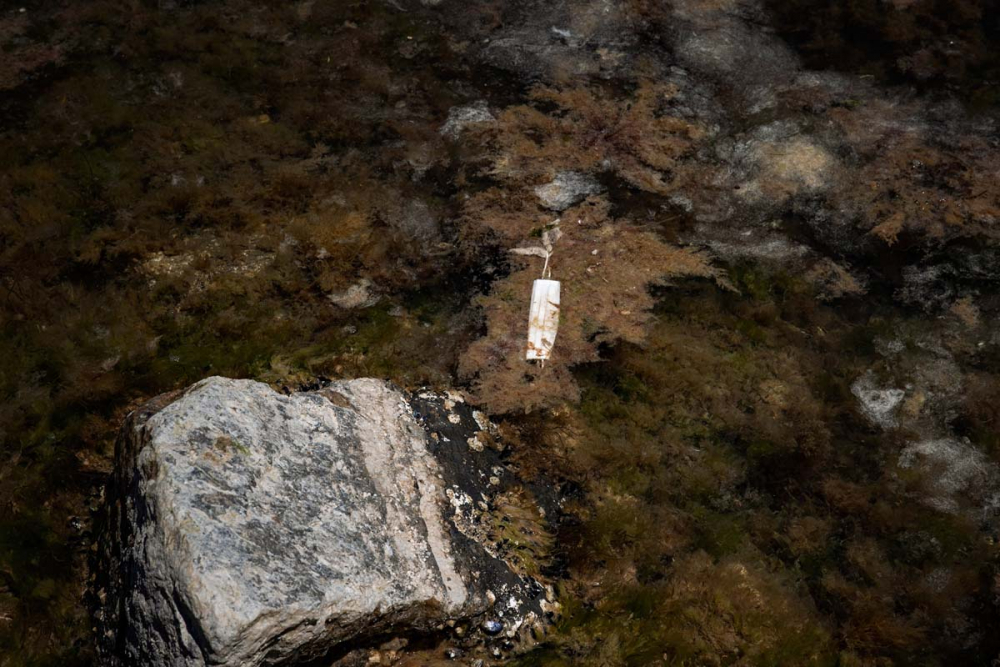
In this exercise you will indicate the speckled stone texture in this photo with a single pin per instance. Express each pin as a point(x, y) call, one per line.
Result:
point(246, 527)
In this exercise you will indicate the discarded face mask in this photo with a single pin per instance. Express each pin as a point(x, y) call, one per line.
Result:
point(543, 319)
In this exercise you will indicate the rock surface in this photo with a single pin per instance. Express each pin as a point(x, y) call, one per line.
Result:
point(956, 475)
point(359, 295)
point(566, 189)
point(247, 527)
point(461, 117)
point(878, 404)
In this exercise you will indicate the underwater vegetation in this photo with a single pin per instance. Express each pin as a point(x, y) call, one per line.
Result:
point(606, 263)
point(737, 509)
point(183, 194)
point(285, 191)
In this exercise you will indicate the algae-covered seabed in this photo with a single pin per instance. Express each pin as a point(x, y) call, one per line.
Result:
point(772, 412)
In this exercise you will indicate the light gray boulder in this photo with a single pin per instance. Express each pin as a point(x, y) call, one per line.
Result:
point(362, 294)
point(956, 477)
point(246, 527)
point(460, 118)
point(879, 404)
point(566, 189)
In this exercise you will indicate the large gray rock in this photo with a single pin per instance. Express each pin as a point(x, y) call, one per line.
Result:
point(247, 527)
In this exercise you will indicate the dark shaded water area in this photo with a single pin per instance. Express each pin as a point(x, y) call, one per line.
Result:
point(928, 44)
point(773, 410)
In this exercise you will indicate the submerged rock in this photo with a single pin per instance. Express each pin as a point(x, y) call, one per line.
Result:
point(247, 527)
point(566, 189)
point(359, 295)
point(955, 475)
point(580, 39)
point(461, 117)
point(878, 404)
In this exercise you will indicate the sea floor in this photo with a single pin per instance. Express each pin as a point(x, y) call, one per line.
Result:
point(771, 422)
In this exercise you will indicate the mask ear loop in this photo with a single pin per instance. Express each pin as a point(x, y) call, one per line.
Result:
point(548, 249)
point(546, 271)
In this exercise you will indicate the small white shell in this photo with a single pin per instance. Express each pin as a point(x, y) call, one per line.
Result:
point(543, 320)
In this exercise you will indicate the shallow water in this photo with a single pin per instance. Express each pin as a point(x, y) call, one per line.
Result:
point(264, 190)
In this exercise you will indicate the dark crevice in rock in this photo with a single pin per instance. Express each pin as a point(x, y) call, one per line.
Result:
point(192, 626)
